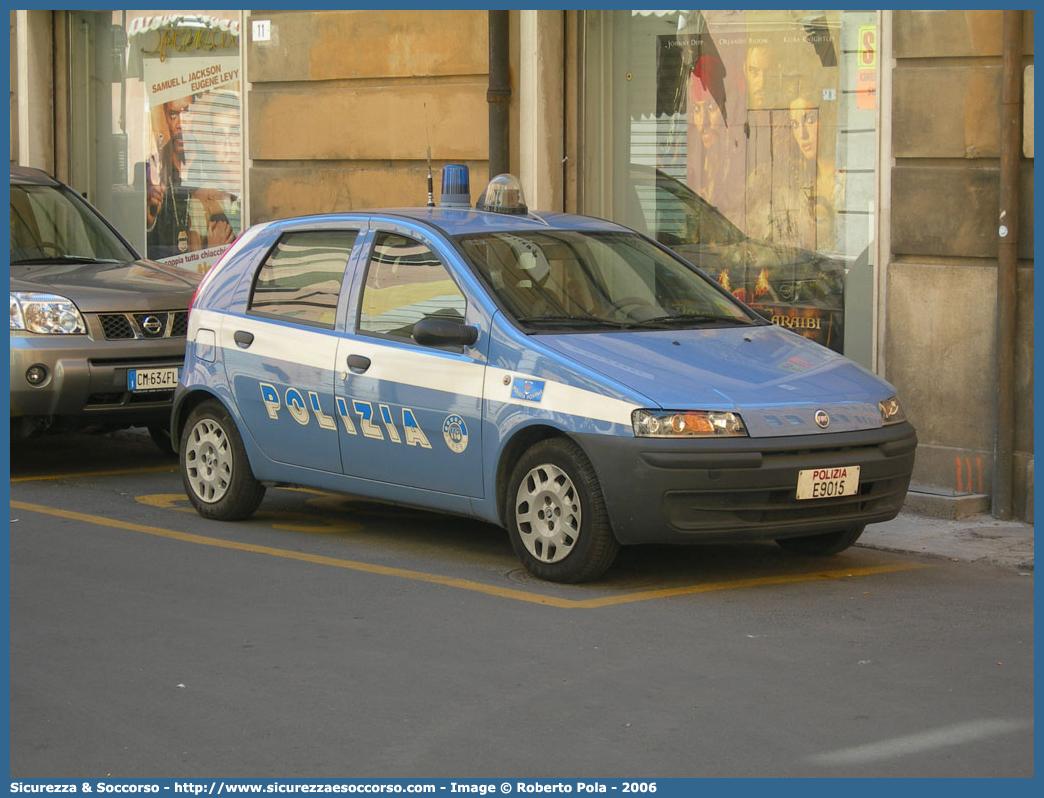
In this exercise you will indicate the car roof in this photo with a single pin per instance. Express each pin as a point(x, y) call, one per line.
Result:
point(25, 174)
point(462, 221)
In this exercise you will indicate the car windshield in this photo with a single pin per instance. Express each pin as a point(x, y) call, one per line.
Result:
point(51, 224)
point(576, 280)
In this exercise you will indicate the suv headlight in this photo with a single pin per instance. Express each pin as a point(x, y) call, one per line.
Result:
point(45, 313)
point(891, 411)
point(686, 424)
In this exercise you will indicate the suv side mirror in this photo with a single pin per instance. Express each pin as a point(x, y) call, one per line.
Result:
point(435, 331)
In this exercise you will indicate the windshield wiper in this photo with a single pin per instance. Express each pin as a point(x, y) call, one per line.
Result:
point(697, 318)
point(62, 259)
point(574, 320)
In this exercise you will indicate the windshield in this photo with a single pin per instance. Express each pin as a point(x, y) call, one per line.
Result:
point(568, 279)
point(51, 224)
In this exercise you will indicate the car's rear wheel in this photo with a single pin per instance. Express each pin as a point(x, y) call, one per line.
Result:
point(822, 545)
point(556, 517)
point(214, 466)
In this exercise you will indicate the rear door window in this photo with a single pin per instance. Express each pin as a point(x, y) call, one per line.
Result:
point(301, 278)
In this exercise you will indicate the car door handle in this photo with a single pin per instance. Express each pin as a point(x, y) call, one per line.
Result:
point(358, 363)
point(243, 338)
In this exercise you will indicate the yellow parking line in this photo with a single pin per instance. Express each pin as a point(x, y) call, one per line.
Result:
point(122, 472)
point(466, 584)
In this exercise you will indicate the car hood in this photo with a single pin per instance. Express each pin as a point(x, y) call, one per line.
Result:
point(776, 380)
point(94, 287)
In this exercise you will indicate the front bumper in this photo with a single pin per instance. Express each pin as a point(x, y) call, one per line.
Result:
point(742, 489)
point(86, 384)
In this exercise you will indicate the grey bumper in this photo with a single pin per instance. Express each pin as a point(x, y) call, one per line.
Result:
point(87, 380)
point(736, 489)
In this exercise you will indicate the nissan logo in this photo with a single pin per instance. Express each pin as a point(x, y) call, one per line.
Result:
point(152, 326)
point(822, 419)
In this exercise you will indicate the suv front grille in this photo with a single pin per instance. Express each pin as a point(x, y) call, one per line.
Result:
point(158, 324)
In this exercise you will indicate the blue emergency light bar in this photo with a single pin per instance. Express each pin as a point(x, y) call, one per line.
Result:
point(456, 186)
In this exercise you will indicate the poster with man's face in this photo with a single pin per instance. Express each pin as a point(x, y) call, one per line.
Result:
point(193, 153)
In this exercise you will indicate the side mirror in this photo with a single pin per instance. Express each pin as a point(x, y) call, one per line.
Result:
point(435, 331)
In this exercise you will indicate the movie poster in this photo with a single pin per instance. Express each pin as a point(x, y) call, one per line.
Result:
point(759, 93)
point(193, 171)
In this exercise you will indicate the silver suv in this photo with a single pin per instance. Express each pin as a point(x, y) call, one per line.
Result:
point(97, 333)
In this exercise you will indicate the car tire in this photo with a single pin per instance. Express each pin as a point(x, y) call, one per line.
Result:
point(822, 545)
point(556, 515)
point(214, 466)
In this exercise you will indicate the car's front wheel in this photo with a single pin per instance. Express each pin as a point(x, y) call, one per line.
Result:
point(824, 544)
point(214, 466)
point(556, 517)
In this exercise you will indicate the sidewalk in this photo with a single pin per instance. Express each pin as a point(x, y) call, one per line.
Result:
point(980, 538)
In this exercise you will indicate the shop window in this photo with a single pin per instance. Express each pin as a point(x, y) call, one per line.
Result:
point(745, 141)
point(156, 138)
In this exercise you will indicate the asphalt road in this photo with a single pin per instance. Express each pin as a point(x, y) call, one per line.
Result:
point(332, 638)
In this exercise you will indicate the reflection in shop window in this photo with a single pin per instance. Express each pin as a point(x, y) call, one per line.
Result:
point(751, 151)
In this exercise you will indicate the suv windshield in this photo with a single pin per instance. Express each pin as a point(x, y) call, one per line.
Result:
point(568, 279)
point(51, 224)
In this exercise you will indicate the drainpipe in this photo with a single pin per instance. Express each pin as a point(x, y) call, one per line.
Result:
point(498, 95)
point(1007, 262)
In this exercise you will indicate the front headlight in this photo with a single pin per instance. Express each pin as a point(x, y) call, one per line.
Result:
point(686, 424)
point(891, 412)
point(45, 313)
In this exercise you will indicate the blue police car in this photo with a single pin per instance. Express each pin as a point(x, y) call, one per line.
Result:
point(561, 376)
